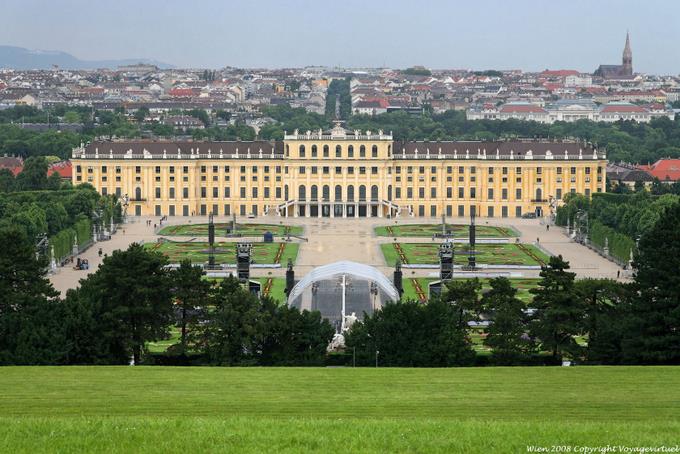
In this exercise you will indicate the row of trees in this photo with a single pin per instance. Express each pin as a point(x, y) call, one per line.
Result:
point(625, 140)
point(620, 218)
point(63, 215)
point(133, 299)
point(595, 321)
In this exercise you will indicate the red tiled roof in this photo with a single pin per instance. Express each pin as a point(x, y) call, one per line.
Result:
point(552, 85)
point(664, 169)
point(63, 168)
point(13, 164)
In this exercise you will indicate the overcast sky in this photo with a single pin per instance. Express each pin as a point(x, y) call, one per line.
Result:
point(482, 34)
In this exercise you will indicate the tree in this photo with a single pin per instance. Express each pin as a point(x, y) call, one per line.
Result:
point(558, 312)
point(233, 329)
point(141, 114)
point(606, 318)
point(410, 334)
point(654, 337)
point(190, 292)
point(507, 333)
point(71, 117)
point(463, 295)
point(7, 183)
point(294, 337)
point(34, 174)
point(53, 181)
point(131, 292)
point(29, 311)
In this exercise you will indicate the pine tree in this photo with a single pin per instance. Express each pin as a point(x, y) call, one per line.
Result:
point(507, 333)
point(190, 292)
point(131, 294)
point(654, 336)
point(30, 332)
point(558, 311)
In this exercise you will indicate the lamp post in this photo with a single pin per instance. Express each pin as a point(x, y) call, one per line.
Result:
point(377, 352)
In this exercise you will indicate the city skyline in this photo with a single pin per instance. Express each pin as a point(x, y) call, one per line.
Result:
point(300, 33)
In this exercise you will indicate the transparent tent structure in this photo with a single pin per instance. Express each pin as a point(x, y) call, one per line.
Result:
point(342, 288)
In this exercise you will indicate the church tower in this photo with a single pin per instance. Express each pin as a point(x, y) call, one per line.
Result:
point(627, 68)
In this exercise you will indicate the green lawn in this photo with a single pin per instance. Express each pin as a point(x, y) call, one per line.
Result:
point(197, 252)
point(471, 410)
point(458, 230)
point(523, 285)
point(491, 254)
point(220, 229)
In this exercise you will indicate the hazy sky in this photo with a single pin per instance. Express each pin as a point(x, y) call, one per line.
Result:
point(481, 34)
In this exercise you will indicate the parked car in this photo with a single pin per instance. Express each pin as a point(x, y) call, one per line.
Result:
point(530, 215)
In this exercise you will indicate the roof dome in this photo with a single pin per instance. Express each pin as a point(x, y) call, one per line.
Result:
point(362, 288)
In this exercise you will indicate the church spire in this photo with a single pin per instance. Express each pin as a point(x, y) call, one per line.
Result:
point(627, 58)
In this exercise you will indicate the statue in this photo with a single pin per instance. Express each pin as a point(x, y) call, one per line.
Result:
point(350, 320)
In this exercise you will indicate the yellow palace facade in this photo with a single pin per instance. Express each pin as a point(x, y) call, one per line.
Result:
point(340, 173)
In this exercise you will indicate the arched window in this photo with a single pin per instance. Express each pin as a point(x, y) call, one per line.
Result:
point(374, 193)
point(326, 193)
point(138, 193)
point(350, 151)
point(389, 151)
point(302, 151)
point(362, 193)
point(389, 192)
point(314, 151)
point(338, 193)
point(287, 150)
point(325, 151)
point(539, 194)
point(362, 151)
point(285, 192)
point(374, 151)
point(338, 151)
point(302, 193)
point(350, 193)
point(314, 193)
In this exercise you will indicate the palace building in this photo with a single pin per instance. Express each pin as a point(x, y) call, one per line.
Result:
point(341, 173)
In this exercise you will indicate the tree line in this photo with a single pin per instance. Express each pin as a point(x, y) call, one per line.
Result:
point(619, 218)
point(134, 299)
point(590, 321)
point(627, 141)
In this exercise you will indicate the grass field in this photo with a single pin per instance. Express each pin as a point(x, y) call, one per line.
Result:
point(458, 230)
point(470, 410)
point(197, 252)
point(521, 284)
point(490, 254)
point(221, 228)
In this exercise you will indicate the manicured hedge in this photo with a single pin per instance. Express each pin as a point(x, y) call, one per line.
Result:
point(63, 241)
point(620, 245)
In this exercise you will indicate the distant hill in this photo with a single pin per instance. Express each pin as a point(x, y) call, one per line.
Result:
point(21, 58)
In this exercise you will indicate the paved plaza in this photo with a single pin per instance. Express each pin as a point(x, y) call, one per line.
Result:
point(330, 240)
